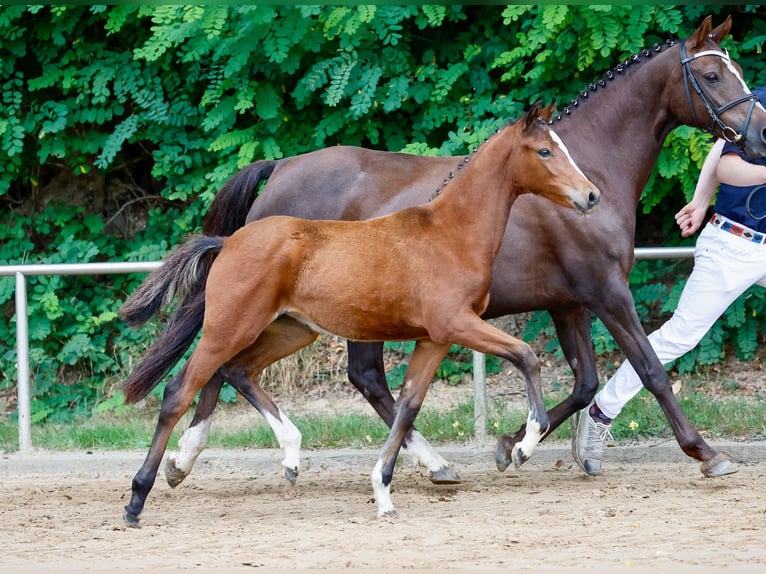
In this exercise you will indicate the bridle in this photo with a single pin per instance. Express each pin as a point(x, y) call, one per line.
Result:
point(714, 111)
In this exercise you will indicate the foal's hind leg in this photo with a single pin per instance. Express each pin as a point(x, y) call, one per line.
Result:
point(194, 440)
point(281, 338)
point(179, 394)
point(367, 373)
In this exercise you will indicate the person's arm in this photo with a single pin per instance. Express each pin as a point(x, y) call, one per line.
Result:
point(691, 216)
point(734, 170)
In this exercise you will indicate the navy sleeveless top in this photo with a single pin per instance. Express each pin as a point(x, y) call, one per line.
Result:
point(745, 205)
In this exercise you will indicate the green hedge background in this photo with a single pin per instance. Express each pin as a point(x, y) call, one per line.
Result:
point(118, 124)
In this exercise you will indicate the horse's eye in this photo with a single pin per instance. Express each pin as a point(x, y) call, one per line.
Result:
point(544, 152)
point(711, 77)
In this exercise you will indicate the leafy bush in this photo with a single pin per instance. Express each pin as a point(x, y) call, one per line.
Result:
point(155, 107)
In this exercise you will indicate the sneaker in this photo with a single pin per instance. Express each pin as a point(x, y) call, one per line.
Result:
point(589, 437)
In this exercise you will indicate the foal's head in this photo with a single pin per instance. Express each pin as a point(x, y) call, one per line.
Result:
point(542, 164)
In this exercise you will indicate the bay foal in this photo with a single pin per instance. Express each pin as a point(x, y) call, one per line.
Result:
point(420, 274)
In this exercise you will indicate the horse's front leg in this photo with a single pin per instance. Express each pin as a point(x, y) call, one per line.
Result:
point(617, 311)
point(194, 440)
point(367, 373)
point(573, 330)
point(423, 364)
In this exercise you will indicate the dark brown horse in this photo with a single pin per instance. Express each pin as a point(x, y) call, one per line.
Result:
point(422, 273)
point(615, 130)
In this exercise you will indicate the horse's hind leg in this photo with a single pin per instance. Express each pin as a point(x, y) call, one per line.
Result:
point(242, 373)
point(367, 373)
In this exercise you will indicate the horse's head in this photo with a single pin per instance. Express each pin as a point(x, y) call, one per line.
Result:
point(717, 97)
point(543, 165)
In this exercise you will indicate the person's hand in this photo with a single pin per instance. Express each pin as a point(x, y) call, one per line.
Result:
point(690, 218)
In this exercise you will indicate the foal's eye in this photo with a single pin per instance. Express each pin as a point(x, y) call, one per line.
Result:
point(544, 152)
point(711, 77)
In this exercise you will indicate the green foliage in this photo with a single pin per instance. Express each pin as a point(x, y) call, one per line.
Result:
point(453, 369)
point(174, 99)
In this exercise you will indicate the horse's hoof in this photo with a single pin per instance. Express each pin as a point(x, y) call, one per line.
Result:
point(131, 519)
point(388, 514)
point(719, 465)
point(444, 475)
point(173, 474)
point(519, 457)
point(291, 474)
point(502, 453)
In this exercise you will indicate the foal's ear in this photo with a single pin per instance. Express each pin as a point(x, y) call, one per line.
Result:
point(532, 114)
point(547, 112)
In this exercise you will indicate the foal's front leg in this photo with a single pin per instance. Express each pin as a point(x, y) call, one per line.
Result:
point(367, 373)
point(470, 331)
point(423, 364)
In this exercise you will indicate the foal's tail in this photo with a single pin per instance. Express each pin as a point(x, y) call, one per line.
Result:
point(183, 274)
point(183, 271)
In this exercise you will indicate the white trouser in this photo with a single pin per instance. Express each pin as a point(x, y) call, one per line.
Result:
point(724, 267)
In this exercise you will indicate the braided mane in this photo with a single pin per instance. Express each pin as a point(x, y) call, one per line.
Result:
point(610, 75)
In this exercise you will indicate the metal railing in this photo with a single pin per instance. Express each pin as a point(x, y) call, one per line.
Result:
point(20, 272)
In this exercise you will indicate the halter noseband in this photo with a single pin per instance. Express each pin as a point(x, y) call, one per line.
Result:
point(728, 132)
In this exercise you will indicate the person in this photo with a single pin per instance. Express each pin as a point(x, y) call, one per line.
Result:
point(729, 257)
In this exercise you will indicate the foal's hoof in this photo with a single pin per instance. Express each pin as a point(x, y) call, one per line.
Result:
point(503, 452)
point(130, 519)
point(719, 465)
point(291, 474)
point(444, 475)
point(173, 474)
point(388, 514)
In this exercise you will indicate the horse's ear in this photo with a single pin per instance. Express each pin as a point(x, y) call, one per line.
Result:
point(707, 32)
point(532, 114)
point(720, 32)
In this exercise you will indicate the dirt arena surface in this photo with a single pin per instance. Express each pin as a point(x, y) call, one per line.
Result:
point(651, 510)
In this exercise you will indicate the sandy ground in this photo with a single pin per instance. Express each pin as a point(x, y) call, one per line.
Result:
point(650, 510)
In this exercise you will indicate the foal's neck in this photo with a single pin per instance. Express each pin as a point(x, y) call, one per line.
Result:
point(477, 201)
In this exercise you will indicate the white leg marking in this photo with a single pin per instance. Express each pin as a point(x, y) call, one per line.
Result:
point(532, 437)
point(382, 493)
point(423, 453)
point(190, 446)
point(288, 437)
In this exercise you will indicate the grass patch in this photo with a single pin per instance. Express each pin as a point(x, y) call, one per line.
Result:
point(642, 417)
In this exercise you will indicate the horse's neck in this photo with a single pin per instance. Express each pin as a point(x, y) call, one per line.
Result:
point(621, 128)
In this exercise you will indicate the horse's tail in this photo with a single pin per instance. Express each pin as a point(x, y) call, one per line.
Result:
point(229, 209)
point(185, 270)
point(167, 349)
